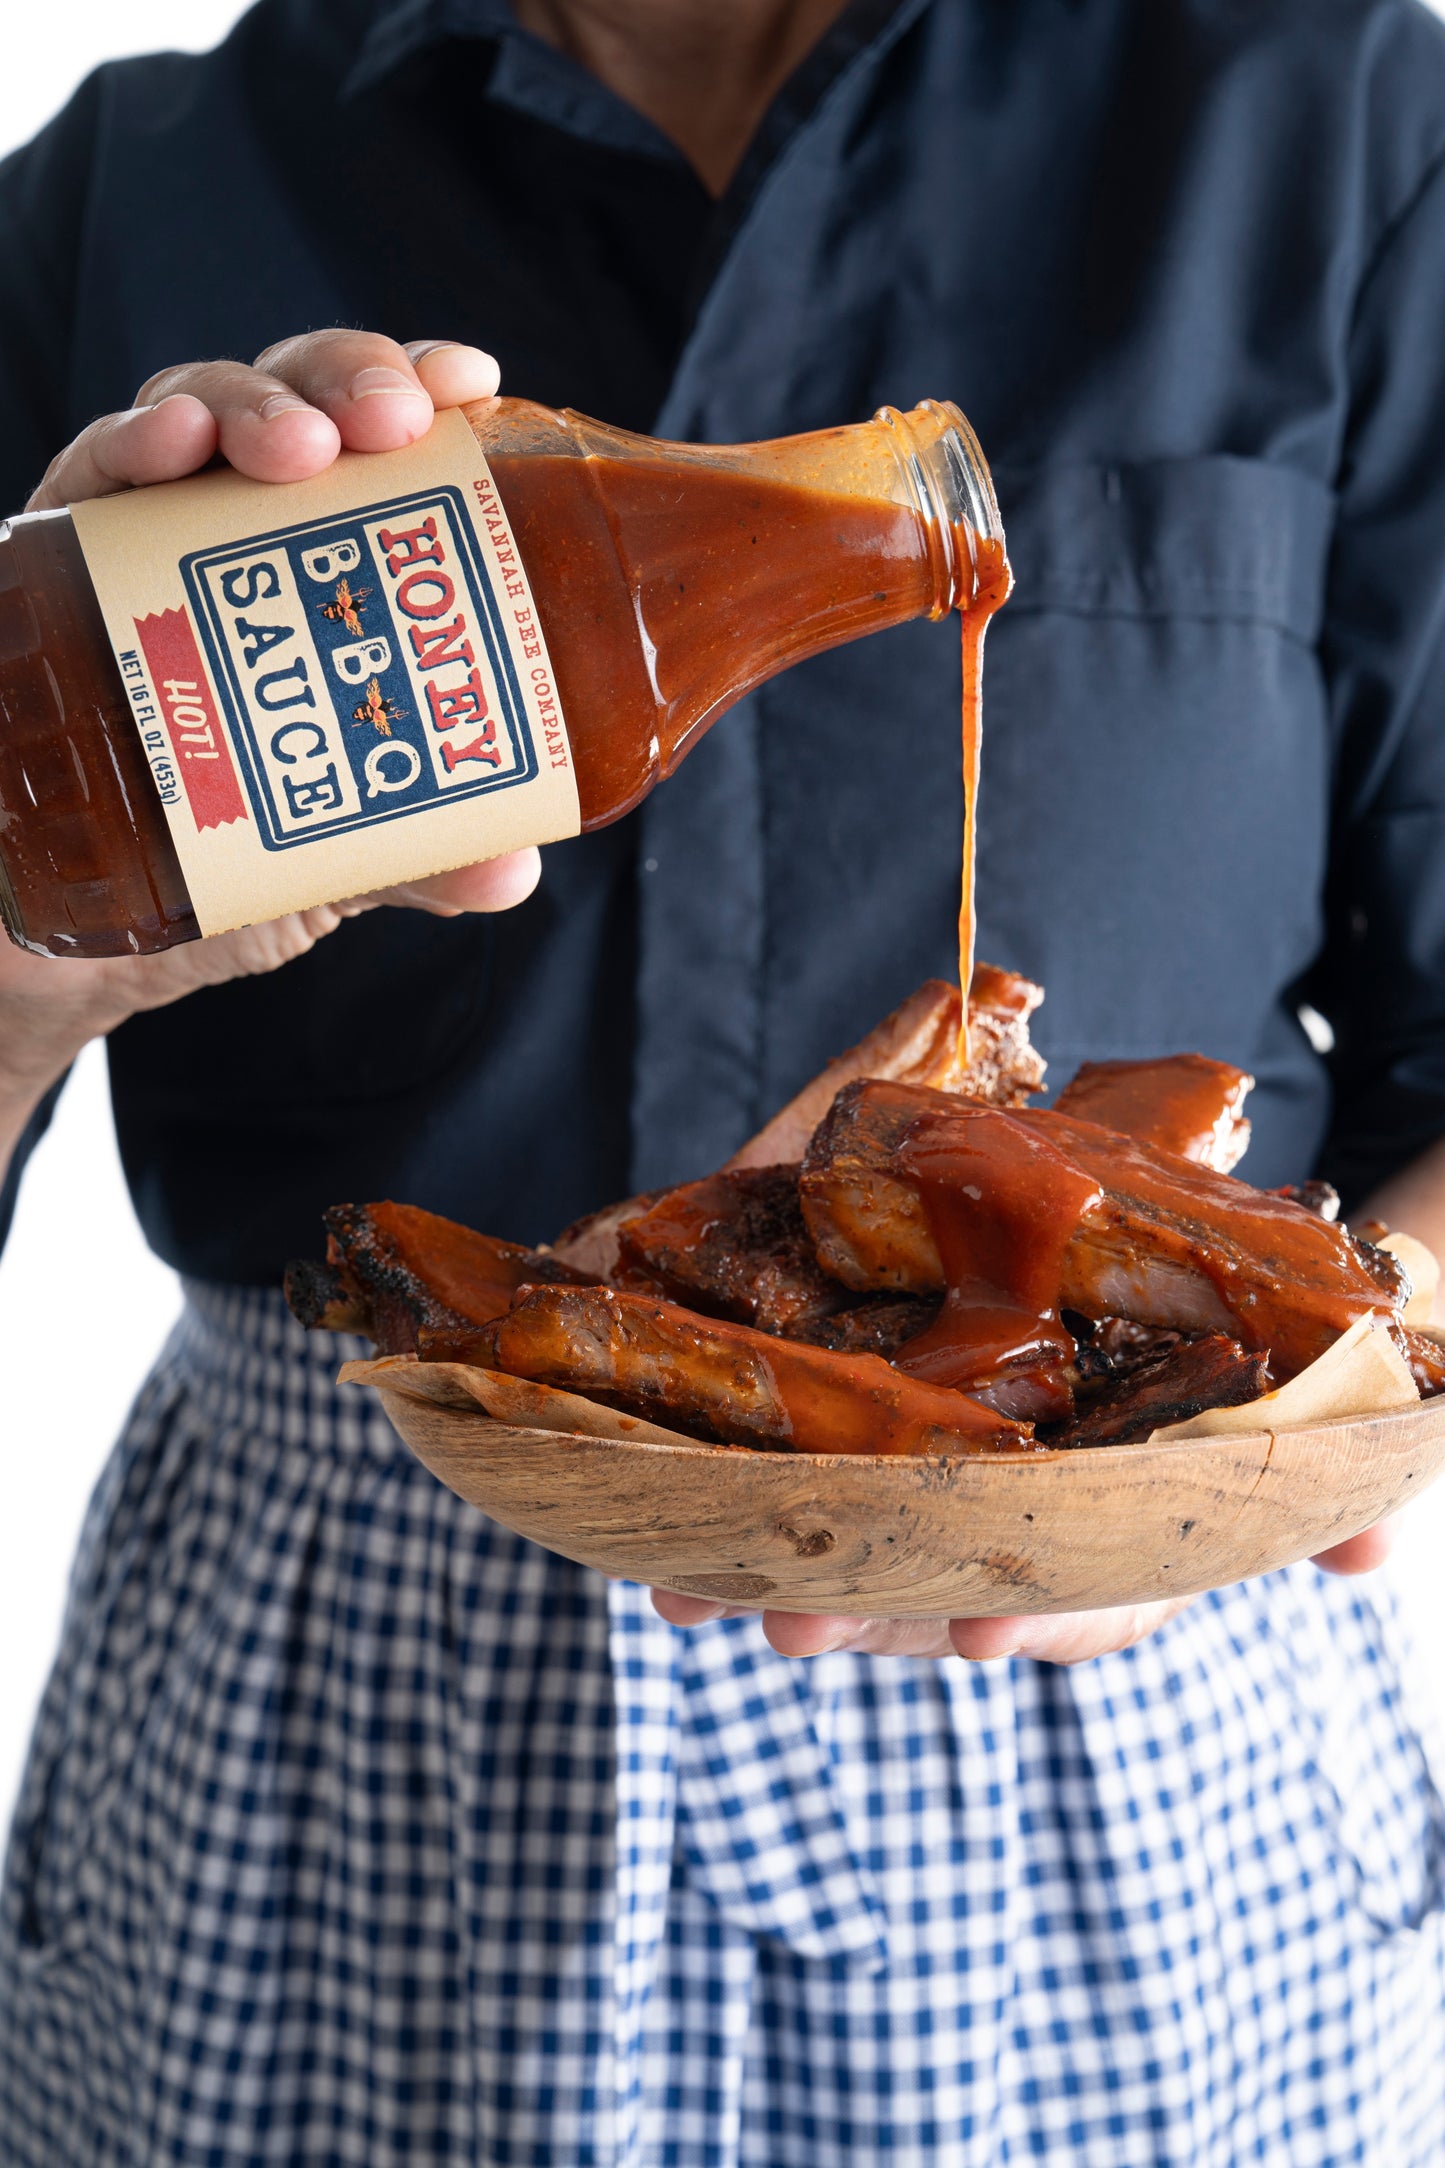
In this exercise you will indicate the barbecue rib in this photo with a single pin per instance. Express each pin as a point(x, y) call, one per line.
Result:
point(918, 1044)
point(949, 1270)
point(1183, 1103)
point(723, 1381)
point(735, 1245)
point(894, 1173)
point(391, 1268)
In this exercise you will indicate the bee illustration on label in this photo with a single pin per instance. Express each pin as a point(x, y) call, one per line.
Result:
point(377, 710)
point(346, 609)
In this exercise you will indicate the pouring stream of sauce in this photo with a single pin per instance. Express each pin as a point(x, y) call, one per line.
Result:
point(994, 582)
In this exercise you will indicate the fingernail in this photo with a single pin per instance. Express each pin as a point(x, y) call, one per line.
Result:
point(828, 1646)
point(281, 402)
point(994, 1656)
point(425, 348)
point(383, 384)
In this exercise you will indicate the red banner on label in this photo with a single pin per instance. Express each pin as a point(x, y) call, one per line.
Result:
point(193, 719)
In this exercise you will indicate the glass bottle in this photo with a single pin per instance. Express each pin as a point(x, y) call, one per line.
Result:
point(669, 578)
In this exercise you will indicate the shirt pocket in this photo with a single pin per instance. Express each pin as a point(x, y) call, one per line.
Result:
point(1217, 539)
point(1157, 760)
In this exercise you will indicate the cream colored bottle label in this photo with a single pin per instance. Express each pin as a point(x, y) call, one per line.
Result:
point(340, 683)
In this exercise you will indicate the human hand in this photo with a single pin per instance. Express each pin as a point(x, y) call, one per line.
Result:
point(282, 420)
point(1071, 1637)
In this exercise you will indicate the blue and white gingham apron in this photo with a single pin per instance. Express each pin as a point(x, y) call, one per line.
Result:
point(357, 1830)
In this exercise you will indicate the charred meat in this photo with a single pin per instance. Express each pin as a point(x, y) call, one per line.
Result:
point(876, 1325)
point(1174, 1384)
point(949, 1270)
point(735, 1246)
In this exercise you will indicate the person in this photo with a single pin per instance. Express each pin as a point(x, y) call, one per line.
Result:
point(355, 1828)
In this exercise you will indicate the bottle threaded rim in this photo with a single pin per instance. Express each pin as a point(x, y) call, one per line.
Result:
point(952, 489)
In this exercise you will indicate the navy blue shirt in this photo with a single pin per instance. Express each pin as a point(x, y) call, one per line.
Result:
point(1182, 262)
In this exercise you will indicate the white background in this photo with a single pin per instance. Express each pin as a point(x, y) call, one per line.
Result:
point(83, 1305)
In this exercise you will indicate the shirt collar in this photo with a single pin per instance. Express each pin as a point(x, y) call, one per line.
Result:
point(528, 74)
point(400, 28)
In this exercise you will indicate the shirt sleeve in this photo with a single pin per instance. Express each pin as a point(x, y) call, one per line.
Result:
point(30, 1136)
point(1381, 978)
point(42, 206)
point(43, 195)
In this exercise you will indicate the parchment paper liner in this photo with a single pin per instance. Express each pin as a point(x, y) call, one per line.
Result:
point(509, 1400)
point(1364, 1373)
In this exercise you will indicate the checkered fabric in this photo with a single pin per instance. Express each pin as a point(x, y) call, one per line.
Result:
point(357, 1830)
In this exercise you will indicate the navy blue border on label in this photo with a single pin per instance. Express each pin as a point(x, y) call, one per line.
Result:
point(231, 693)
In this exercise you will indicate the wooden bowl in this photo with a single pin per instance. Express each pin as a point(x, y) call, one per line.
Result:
point(976, 1536)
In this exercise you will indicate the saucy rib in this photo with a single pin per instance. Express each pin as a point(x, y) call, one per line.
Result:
point(723, 1381)
point(1182, 1103)
point(735, 1245)
point(391, 1268)
point(895, 1176)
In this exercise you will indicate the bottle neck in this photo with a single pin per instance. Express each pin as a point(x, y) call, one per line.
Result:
point(950, 487)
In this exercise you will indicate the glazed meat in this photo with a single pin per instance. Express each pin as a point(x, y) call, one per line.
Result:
point(391, 1268)
point(1183, 1103)
point(1004, 1068)
point(918, 1044)
point(950, 1269)
point(736, 1246)
point(999, 1333)
point(896, 1177)
point(723, 1381)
